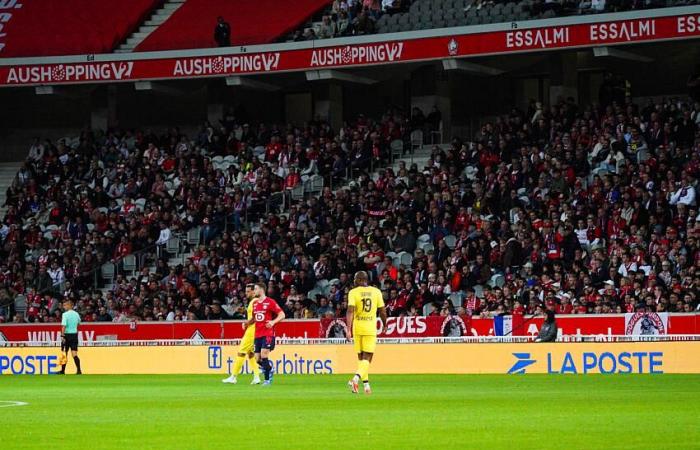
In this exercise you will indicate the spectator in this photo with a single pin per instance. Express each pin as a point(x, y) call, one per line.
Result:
point(327, 29)
point(222, 33)
point(364, 24)
point(310, 34)
point(548, 332)
point(344, 24)
point(103, 315)
point(164, 235)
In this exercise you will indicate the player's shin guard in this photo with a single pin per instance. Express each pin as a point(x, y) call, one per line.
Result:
point(77, 363)
point(266, 368)
point(238, 364)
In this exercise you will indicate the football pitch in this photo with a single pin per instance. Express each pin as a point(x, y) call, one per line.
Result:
point(314, 412)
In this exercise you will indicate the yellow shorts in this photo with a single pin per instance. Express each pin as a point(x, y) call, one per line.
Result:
point(365, 343)
point(248, 341)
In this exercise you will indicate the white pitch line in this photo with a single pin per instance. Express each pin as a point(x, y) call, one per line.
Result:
point(8, 403)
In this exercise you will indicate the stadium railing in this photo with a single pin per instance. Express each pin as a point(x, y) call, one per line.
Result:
point(337, 341)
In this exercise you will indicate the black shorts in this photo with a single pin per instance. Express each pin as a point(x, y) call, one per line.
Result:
point(267, 342)
point(71, 342)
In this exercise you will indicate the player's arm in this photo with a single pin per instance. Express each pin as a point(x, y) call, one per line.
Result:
point(349, 318)
point(280, 317)
point(64, 322)
point(382, 316)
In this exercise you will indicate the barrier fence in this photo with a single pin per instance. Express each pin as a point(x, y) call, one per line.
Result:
point(571, 327)
point(380, 341)
point(393, 356)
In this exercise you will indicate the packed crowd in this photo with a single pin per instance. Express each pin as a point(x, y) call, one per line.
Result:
point(359, 17)
point(579, 210)
point(351, 18)
point(77, 204)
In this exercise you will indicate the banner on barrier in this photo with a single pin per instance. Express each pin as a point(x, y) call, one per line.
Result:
point(144, 331)
point(431, 326)
point(646, 324)
point(504, 358)
point(542, 35)
point(569, 325)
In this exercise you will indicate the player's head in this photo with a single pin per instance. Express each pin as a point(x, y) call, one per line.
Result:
point(361, 278)
point(250, 291)
point(67, 304)
point(260, 289)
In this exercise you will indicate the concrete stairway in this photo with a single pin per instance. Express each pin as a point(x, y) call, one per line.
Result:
point(148, 27)
point(8, 172)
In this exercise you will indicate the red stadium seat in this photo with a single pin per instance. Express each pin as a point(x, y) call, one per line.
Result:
point(252, 22)
point(43, 28)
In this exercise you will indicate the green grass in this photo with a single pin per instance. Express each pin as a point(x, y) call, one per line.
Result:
point(404, 412)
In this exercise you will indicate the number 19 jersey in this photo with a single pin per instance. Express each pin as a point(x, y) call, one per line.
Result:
point(366, 300)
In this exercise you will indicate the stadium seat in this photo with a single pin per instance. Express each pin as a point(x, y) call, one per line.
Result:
point(73, 27)
point(297, 193)
point(417, 139)
point(406, 259)
point(497, 280)
point(451, 241)
point(108, 271)
point(191, 25)
point(194, 236)
point(456, 299)
point(396, 147)
point(20, 304)
point(140, 203)
point(129, 263)
point(173, 246)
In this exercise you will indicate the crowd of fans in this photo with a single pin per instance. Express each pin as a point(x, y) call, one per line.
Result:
point(578, 210)
point(351, 18)
point(359, 17)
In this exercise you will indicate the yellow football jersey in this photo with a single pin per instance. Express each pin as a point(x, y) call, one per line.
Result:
point(249, 312)
point(366, 300)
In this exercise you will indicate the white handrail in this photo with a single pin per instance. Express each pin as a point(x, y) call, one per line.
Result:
point(339, 341)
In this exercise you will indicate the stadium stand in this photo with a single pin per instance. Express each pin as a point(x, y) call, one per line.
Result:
point(69, 28)
point(347, 18)
point(581, 209)
point(252, 22)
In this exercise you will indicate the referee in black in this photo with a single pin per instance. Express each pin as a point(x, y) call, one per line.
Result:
point(69, 335)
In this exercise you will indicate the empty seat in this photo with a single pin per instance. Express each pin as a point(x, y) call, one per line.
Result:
point(129, 263)
point(108, 270)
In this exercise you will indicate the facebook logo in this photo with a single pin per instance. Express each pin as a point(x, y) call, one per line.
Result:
point(215, 357)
